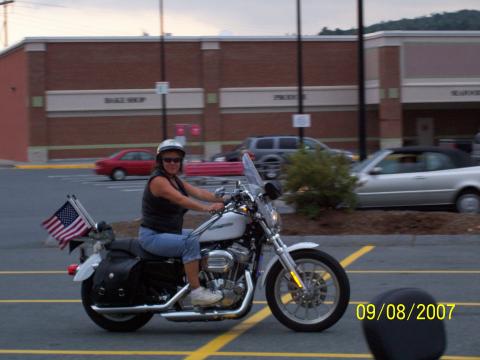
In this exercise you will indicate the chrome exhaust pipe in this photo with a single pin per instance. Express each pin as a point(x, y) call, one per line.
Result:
point(143, 308)
point(215, 314)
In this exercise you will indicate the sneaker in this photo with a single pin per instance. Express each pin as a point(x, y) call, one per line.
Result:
point(202, 296)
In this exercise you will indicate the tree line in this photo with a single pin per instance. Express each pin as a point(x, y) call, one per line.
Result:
point(459, 20)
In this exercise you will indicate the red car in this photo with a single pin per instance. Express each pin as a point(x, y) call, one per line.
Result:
point(138, 162)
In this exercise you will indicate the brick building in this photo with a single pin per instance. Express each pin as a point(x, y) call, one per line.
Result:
point(87, 97)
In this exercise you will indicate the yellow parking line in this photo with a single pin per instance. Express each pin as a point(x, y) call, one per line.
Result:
point(224, 339)
point(219, 353)
point(32, 301)
point(260, 302)
point(293, 355)
point(257, 302)
point(63, 272)
point(92, 352)
point(413, 272)
point(180, 353)
point(32, 272)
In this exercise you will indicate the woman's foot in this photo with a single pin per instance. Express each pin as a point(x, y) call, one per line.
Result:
point(203, 296)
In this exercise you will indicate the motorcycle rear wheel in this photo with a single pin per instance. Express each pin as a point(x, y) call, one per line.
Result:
point(321, 274)
point(113, 322)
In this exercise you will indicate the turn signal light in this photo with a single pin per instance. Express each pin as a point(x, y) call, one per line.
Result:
point(295, 278)
point(72, 269)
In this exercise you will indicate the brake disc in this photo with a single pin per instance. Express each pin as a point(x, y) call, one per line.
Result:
point(316, 293)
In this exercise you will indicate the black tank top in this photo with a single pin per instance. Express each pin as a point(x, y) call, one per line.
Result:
point(160, 214)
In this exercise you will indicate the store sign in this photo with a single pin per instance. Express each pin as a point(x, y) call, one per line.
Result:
point(181, 100)
point(124, 100)
point(161, 87)
point(195, 130)
point(465, 92)
point(301, 120)
point(283, 97)
point(179, 130)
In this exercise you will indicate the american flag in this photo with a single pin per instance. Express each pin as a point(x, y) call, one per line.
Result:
point(66, 224)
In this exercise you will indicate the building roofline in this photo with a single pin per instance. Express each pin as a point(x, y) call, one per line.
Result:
point(293, 38)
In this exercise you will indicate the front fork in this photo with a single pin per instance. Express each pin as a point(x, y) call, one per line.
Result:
point(285, 258)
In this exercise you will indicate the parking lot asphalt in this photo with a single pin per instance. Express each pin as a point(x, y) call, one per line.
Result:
point(42, 317)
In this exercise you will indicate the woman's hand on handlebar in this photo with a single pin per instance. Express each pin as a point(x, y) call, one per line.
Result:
point(215, 207)
point(226, 199)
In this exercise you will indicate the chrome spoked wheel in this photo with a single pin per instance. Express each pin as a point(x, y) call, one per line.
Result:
point(313, 305)
point(317, 307)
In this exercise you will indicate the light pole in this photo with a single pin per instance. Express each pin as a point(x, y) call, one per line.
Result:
point(362, 143)
point(5, 21)
point(163, 72)
point(299, 67)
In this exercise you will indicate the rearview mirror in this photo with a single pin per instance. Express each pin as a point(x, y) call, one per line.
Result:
point(220, 192)
point(273, 190)
point(376, 171)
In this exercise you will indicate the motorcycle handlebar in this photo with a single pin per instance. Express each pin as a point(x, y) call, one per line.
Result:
point(227, 200)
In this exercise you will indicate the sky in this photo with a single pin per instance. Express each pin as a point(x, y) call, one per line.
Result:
point(33, 18)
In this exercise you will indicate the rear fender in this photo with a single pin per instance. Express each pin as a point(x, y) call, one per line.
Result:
point(86, 269)
point(275, 258)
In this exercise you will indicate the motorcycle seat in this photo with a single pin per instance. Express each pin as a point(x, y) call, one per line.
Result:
point(132, 246)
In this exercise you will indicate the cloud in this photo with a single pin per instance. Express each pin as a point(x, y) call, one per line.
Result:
point(206, 17)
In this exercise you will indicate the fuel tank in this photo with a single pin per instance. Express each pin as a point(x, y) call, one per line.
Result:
point(230, 226)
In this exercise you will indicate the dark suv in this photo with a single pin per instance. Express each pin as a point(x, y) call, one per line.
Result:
point(269, 152)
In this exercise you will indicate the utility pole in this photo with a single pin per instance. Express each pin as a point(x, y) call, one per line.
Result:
point(362, 128)
point(5, 21)
point(163, 71)
point(299, 68)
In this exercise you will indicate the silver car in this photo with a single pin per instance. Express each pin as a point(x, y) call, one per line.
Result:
point(269, 152)
point(418, 176)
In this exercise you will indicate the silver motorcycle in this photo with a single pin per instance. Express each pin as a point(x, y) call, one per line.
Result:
point(123, 286)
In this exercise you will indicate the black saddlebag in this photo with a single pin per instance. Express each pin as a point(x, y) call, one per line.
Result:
point(117, 280)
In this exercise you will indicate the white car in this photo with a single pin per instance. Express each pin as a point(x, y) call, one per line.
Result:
point(418, 176)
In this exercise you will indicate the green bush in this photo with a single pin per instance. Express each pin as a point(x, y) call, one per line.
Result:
point(317, 181)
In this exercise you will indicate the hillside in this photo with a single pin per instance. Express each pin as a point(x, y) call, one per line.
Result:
point(459, 20)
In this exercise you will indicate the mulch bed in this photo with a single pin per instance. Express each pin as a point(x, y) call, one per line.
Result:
point(353, 223)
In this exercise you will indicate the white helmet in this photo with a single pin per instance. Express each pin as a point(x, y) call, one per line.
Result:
point(170, 144)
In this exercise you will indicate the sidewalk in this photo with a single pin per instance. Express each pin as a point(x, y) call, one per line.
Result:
point(5, 164)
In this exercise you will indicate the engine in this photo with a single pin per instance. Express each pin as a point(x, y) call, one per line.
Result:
point(223, 269)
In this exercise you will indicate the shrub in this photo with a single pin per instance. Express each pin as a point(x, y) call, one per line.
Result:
point(317, 181)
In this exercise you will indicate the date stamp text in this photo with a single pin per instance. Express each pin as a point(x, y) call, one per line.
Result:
point(405, 312)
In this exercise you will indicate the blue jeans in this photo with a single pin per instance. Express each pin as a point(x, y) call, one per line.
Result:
point(170, 245)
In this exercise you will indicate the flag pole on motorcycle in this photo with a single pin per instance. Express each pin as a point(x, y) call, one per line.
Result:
point(68, 222)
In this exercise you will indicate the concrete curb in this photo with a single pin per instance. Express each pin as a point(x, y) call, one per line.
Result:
point(55, 166)
point(385, 240)
point(6, 164)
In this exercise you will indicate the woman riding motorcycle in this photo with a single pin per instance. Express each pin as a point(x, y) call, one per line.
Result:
point(165, 201)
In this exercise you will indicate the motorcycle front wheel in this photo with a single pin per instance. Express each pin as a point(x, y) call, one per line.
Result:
point(111, 322)
point(325, 299)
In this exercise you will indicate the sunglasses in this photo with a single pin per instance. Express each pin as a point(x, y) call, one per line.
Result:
point(169, 160)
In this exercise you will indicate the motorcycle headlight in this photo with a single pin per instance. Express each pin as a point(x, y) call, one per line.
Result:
point(277, 221)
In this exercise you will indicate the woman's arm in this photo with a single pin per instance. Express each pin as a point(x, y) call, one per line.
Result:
point(201, 194)
point(160, 187)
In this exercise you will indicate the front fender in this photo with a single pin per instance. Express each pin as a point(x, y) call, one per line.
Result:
point(299, 246)
point(86, 269)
